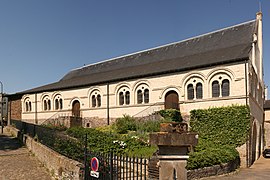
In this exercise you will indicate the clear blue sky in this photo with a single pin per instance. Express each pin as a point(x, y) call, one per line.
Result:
point(41, 40)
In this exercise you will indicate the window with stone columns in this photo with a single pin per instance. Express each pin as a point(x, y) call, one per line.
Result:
point(124, 96)
point(142, 94)
point(220, 85)
point(27, 105)
point(194, 88)
point(95, 99)
point(46, 103)
point(58, 102)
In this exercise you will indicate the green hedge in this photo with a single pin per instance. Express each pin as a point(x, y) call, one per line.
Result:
point(211, 156)
point(220, 131)
point(223, 126)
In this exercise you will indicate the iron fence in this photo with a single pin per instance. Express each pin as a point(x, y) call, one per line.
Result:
point(111, 166)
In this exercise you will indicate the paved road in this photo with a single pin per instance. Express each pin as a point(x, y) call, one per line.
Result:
point(260, 170)
point(17, 163)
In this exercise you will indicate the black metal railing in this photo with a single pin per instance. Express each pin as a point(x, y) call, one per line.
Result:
point(113, 166)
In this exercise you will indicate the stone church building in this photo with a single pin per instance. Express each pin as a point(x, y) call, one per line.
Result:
point(216, 69)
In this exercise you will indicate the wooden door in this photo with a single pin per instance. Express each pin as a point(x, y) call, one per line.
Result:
point(172, 100)
point(76, 109)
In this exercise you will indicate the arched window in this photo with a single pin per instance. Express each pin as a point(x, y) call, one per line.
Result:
point(142, 93)
point(27, 105)
point(46, 103)
point(121, 98)
point(94, 101)
point(194, 87)
point(139, 97)
point(215, 89)
point(127, 97)
point(146, 96)
point(98, 100)
point(58, 102)
point(30, 106)
point(199, 91)
point(45, 108)
point(190, 91)
point(49, 104)
point(225, 87)
point(221, 84)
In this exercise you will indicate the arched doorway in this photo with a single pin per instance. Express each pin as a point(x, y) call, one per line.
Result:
point(254, 143)
point(171, 100)
point(76, 109)
point(259, 143)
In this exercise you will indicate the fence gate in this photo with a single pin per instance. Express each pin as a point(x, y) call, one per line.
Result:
point(109, 166)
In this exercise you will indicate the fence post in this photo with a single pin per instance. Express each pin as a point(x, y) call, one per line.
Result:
point(34, 133)
point(111, 165)
point(85, 159)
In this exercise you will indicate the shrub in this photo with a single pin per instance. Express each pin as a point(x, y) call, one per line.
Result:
point(149, 126)
point(211, 156)
point(171, 115)
point(220, 131)
point(105, 142)
point(223, 126)
point(70, 148)
point(125, 124)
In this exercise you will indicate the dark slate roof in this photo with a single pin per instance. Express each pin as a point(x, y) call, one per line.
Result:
point(223, 46)
point(266, 104)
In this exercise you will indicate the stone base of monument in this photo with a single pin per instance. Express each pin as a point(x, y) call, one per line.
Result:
point(173, 167)
point(173, 148)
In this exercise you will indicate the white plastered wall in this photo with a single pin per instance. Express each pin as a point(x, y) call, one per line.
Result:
point(158, 87)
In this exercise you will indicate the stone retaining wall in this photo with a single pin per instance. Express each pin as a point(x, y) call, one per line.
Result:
point(225, 168)
point(214, 170)
point(60, 166)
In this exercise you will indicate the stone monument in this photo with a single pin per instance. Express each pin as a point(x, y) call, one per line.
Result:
point(174, 142)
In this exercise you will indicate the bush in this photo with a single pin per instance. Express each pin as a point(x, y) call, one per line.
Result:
point(211, 156)
point(105, 142)
point(171, 115)
point(125, 124)
point(220, 131)
point(149, 126)
point(223, 126)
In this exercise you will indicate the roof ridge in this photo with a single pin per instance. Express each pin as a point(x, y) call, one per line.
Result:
point(162, 46)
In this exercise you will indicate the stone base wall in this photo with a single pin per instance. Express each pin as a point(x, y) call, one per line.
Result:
point(214, 170)
point(93, 122)
point(153, 169)
point(242, 150)
point(60, 166)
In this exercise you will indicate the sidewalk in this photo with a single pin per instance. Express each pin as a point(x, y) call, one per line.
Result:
point(17, 163)
point(260, 170)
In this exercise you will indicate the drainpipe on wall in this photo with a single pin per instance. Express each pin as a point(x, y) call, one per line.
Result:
point(108, 106)
point(248, 135)
point(36, 120)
